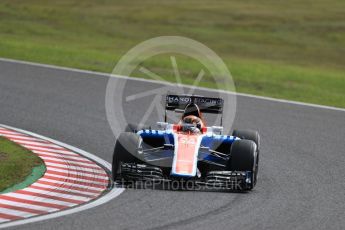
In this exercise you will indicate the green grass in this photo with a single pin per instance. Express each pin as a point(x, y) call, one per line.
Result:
point(16, 163)
point(284, 49)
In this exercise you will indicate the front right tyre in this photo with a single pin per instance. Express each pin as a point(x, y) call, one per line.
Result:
point(243, 157)
point(126, 150)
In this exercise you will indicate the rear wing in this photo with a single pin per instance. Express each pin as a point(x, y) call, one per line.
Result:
point(206, 104)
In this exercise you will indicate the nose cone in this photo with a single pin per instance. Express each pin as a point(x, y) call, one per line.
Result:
point(185, 155)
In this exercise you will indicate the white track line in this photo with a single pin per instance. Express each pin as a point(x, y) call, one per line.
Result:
point(57, 190)
point(90, 73)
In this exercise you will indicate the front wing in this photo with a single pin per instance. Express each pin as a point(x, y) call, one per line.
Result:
point(232, 180)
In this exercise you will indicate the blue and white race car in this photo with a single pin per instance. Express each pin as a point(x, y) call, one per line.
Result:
point(188, 150)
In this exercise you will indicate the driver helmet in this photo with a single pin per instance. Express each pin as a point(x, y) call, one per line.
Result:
point(192, 124)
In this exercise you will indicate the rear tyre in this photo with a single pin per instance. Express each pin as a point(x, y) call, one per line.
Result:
point(126, 150)
point(243, 157)
point(248, 135)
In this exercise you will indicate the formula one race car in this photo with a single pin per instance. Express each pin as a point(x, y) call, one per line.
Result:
point(189, 150)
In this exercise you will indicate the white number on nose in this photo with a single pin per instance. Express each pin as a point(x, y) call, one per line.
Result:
point(185, 140)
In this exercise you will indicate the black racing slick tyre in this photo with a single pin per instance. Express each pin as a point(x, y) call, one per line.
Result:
point(253, 136)
point(243, 157)
point(126, 150)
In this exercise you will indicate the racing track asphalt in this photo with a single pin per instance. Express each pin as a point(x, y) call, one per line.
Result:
point(301, 182)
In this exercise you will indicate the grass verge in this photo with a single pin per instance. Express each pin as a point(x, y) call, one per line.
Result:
point(17, 164)
point(283, 49)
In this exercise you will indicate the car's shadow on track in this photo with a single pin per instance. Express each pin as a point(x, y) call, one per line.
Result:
point(175, 186)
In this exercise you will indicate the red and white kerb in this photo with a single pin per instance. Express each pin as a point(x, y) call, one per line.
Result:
point(70, 180)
